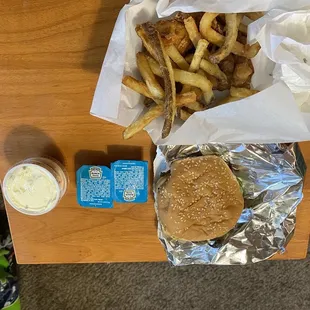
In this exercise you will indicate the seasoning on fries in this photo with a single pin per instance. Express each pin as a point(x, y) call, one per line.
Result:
point(185, 59)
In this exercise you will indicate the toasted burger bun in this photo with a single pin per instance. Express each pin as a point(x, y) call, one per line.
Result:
point(200, 200)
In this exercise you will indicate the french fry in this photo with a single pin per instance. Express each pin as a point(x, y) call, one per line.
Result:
point(196, 80)
point(197, 91)
point(183, 114)
point(199, 54)
point(232, 23)
point(242, 38)
point(227, 100)
point(247, 83)
point(176, 57)
point(251, 50)
point(196, 106)
point(186, 99)
point(218, 27)
point(237, 94)
point(148, 102)
point(215, 82)
point(174, 32)
point(155, 68)
point(168, 42)
point(254, 15)
point(185, 45)
point(209, 68)
point(189, 58)
point(153, 113)
point(145, 40)
point(187, 78)
point(195, 62)
point(167, 74)
point(194, 33)
point(242, 92)
point(228, 65)
point(180, 16)
point(211, 78)
point(154, 65)
point(192, 30)
point(241, 73)
point(243, 28)
point(137, 86)
point(214, 37)
point(141, 88)
point(209, 33)
point(215, 71)
point(149, 77)
point(213, 49)
point(143, 121)
point(201, 72)
point(221, 18)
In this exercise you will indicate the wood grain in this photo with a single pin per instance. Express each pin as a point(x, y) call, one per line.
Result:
point(51, 55)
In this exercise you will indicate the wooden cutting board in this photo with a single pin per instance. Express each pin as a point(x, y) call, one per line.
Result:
point(51, 55)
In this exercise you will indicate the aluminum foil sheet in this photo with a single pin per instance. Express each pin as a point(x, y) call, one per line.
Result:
point(271, 176)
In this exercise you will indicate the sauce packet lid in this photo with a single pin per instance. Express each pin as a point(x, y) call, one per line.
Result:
point(130, 181)
point(94, 187)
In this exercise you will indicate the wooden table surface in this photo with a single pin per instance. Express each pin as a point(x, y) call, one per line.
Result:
point(51, 55)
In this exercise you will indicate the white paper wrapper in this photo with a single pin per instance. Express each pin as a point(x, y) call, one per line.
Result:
point(279, 113)
point(168, 7)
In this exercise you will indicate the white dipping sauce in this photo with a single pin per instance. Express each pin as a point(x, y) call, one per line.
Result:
point(31, 189)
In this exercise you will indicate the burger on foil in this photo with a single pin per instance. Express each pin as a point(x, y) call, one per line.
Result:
point(204, 214)
point(200, 200)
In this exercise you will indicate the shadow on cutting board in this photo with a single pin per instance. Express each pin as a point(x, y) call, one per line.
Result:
point(27, 141)
point(100, 35)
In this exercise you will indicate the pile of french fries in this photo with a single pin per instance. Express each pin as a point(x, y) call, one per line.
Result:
point(185, 60)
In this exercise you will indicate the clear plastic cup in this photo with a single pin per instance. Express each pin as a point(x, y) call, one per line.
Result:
point(35, 185)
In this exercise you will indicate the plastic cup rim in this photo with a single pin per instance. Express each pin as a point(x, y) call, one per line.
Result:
point(44, 170)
